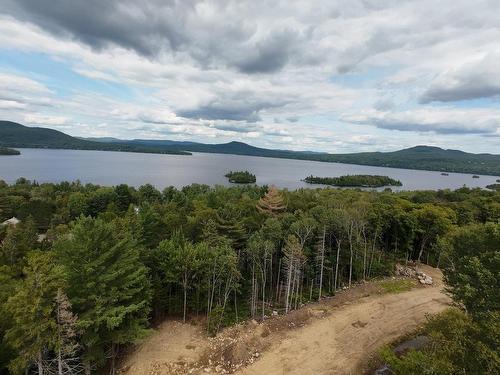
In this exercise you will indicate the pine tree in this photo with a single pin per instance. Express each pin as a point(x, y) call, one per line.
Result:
point(107, 285)
point(32, 308)
point(271, 203)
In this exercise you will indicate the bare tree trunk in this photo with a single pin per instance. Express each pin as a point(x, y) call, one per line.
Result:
point(185, 296)
point(339, 244)
point(365, 254)
point(59, 362)
point(39, 363)
point(322, 263)
point(422, 247)
point(278, 282)
point(288, 284)
point(112, 369)
point(87, 367)
point(351, 250)
point(264, 285)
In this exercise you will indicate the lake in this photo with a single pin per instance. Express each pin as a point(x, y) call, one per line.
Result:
point(112, 168)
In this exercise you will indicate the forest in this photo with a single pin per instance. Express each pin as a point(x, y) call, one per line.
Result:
point(88, 269)
point(358, 180)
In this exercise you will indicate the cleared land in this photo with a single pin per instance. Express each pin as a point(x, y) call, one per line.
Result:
point(335, 336)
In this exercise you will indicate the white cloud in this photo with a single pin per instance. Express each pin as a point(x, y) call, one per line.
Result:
point(227, 69)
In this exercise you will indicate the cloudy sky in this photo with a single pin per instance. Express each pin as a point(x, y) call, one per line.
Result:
point(336, 76)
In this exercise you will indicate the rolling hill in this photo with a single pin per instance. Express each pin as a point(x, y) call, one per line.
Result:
point(16, 135)
point(418, 157)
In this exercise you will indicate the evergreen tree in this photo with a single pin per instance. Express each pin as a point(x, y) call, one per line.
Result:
point(107, 285)
point(32, 308)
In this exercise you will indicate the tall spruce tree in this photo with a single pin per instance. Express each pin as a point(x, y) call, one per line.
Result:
point(32, 309)
point(108, 287)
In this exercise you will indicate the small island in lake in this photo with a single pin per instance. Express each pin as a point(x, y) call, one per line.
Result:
point(359, 180)
point(8, 151)
point(495, 187)
point(475, 176)
point(241, 177)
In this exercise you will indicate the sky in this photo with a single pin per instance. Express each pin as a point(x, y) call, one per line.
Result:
point(334, 76)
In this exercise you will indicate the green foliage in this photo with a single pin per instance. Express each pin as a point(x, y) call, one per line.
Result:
point(241, 177)
point(459, 345)
point(473, 272)
point(397, 286)
point(32, 308)
point(359, 180)
point(107, 285)
point(495, 187)
point(221, 254)
point(19, 240)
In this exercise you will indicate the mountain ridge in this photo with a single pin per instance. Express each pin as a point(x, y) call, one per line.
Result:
point(417, 157)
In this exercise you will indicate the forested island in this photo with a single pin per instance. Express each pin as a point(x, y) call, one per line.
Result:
point(354, 181)
point(8, 151)
point(493, 186)
point(114, 260)
point(241, 177)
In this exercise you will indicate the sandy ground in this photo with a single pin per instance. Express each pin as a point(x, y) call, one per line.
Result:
point(170, 349)
point(339, 342)
point(335, 336)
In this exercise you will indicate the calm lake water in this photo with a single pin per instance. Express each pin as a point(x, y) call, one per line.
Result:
point(112, 168)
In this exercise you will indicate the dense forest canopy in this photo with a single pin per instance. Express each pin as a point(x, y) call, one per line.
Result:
point(241, 177)
point(114, 260)
point(359, 180)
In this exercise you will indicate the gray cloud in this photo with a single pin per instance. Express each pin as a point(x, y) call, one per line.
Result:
point(151, 27)
point(234, 106)
point(474, 80)
point(146, 29)
point(439, 121)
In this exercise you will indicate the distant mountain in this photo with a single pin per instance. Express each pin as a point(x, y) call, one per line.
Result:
point(418, 157)
point(13, 134)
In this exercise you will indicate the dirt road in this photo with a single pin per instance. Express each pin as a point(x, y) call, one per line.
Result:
point(331, 337)
point(338, 343)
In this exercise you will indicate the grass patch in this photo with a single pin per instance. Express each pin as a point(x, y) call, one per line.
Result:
point(397, 286)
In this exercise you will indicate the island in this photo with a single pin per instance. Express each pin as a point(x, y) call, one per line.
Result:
point(8, 151)
point(241, 177)
point(495, 187)
point(359, 180)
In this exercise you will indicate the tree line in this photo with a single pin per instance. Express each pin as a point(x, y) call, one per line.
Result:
point(88, 269)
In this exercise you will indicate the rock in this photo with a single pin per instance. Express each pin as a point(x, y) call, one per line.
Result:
point(275, 313)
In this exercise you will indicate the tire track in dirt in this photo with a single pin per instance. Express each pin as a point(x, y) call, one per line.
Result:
point(339, 342)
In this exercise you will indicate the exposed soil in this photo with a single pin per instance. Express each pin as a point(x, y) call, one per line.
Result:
point(334, 336)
